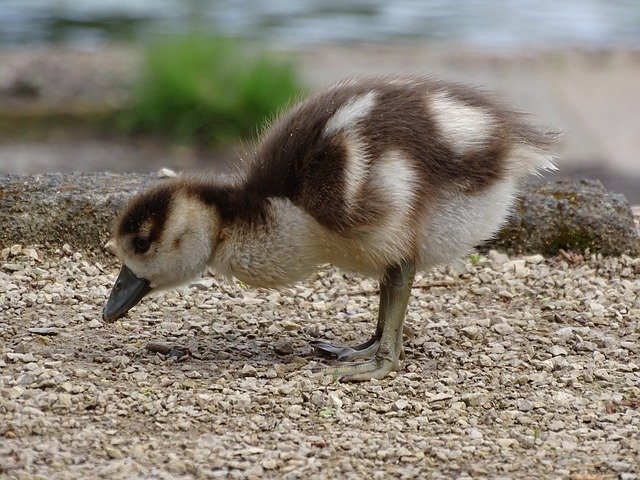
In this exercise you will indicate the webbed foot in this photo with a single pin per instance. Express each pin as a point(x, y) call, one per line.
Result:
point(363, 351)
point(378, 368)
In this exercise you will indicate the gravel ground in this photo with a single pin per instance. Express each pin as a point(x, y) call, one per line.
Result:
point(516, 368)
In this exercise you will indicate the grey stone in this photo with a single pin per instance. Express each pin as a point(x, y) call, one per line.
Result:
point(283, 347)
point(473, 332)
point(498, 258)
point(502, 328)
point(475, 399)
point(570, 215)
point(45, 331)
point(556, 350)
point(479, 380)
point(21, 357)
point(94, 324)
point(248, 371)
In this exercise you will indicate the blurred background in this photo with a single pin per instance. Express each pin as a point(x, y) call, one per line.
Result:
point(136, 85)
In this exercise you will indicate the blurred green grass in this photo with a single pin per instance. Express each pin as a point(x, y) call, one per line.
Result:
point(208, 90)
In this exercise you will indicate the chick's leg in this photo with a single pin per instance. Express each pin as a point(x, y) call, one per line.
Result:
point(395, 290)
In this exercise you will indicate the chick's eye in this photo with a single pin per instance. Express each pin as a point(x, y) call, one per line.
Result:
point(141, 245)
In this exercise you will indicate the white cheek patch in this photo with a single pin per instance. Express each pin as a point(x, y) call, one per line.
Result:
point(186, 242)
point(464, 127)
point(181, 214)
point(350, 113)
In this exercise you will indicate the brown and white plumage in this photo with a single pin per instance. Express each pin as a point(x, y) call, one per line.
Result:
point(367, 175)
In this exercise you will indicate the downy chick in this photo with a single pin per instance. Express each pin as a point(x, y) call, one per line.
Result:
point(379, 176)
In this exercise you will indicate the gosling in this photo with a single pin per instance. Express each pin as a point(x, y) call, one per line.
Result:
point(383, 176)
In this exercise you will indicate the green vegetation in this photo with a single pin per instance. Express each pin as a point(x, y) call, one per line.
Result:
point(572, 239)
point(475, 258)
point(536, 434)
point(326, 412)
point(208, 90)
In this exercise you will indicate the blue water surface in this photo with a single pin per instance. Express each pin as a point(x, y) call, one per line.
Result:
point(296, 23)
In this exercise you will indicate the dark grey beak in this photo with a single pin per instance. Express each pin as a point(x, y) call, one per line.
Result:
point(126, 293)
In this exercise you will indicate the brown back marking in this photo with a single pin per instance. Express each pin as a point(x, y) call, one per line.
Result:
point(295, 160)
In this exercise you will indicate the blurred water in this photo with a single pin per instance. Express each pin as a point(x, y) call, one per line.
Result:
point(295, 23)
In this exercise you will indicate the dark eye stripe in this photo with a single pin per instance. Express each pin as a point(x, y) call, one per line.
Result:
point(151, 206)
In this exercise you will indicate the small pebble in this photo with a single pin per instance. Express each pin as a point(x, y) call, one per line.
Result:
point(166, 173)
point(556, 350)
point(283, 347)
point(94, 324)
point(45, 331)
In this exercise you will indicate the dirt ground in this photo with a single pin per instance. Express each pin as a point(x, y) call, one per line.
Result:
point(515, 368)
